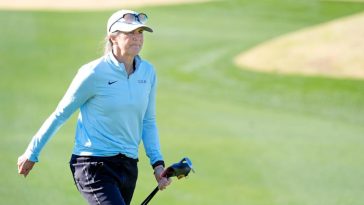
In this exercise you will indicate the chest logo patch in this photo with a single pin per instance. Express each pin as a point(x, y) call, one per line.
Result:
point(112, 82)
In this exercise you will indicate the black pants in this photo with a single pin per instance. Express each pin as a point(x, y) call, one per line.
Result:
point(105, 180)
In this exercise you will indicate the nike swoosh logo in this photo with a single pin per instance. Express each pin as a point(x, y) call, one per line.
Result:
point(112, 82)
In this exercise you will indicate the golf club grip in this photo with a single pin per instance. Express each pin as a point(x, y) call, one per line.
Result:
point(151, 195)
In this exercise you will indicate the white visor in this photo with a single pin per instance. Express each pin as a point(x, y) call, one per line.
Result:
point(117, 23)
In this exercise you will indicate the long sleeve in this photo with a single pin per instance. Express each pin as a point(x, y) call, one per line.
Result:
point(80, 90)
point(150, 132)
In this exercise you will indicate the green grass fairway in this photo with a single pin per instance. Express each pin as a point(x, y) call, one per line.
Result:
point(255, 139)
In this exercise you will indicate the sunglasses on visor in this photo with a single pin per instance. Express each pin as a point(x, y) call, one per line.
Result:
point(130, 18)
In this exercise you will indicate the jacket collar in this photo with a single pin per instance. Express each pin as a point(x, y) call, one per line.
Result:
point(110, 58)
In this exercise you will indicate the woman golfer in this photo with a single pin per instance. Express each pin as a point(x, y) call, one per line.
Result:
point(116, 97)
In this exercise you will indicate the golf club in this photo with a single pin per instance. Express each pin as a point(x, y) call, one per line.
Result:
point(179, 170)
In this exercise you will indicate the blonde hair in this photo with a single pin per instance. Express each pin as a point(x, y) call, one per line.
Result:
point(108, 43)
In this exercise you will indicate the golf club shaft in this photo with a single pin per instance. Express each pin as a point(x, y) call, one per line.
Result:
point(151, 195)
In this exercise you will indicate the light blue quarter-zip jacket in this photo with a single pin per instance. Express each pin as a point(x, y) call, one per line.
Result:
point(117, 111)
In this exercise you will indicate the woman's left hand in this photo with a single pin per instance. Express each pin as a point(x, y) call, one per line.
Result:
point(163, 182)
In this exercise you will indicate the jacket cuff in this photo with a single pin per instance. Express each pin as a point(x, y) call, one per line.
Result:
point(31, 156)
point(157, 163)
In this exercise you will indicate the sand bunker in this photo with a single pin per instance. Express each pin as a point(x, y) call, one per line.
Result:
point(334, 49)
point(85, 4)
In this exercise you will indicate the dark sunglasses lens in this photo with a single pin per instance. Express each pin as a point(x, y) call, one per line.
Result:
point(129, 18)
point(142, 18)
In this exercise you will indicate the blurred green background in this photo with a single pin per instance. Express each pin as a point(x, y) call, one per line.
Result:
point(254, 138)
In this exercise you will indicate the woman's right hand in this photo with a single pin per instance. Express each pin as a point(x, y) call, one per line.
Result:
point(24, 165)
